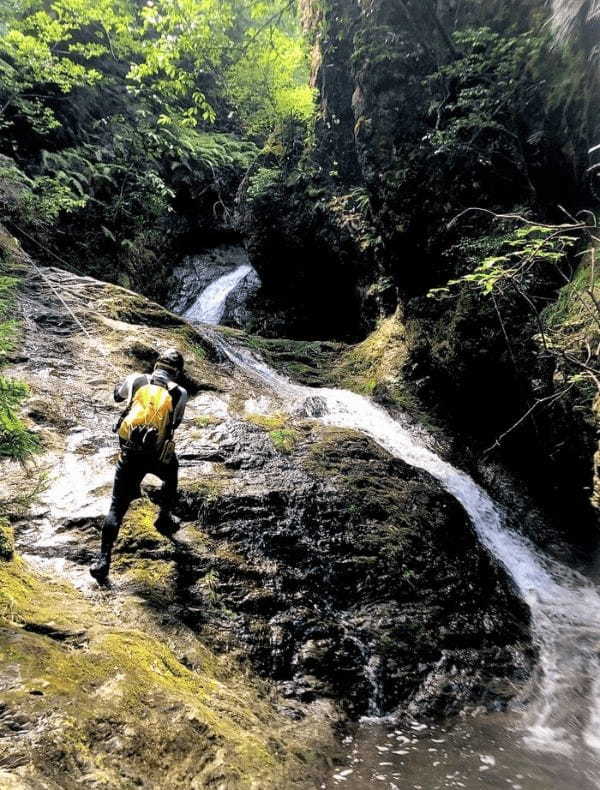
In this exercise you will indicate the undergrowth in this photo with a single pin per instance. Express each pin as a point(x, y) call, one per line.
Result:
point(16, 441)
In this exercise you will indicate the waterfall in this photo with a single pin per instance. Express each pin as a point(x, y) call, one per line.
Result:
point(214, 285)
point(569, 15)
point(565, 607)
point(210, 304)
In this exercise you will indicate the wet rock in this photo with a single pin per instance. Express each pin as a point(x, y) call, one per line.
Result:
point(126, 710)
point(238, 311)
point(151, 699)
point(391, 568)
point(333, 569)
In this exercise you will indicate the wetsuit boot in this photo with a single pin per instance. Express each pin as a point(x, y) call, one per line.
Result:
point(99, 570)
point(166, 523)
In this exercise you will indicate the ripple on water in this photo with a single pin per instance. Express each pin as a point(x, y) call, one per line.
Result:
point(484, 751)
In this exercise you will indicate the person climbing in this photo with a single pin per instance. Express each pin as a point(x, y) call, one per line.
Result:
point(155, 405)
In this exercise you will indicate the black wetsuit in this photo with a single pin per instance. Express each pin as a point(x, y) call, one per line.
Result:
point(134, 464)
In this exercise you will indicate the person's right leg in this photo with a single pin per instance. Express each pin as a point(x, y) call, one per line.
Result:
point(128, 476)
point(166, 523)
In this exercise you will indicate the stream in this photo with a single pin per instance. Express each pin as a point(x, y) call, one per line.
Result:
point(550, 743)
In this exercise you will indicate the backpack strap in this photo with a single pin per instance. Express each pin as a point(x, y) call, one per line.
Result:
point(171, 387)
point(158, 382)
point(129, 400)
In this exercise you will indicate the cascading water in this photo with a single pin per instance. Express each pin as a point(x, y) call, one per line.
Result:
point(563, 717)
point(214, 285)
point(565, 606)
point(210, 305)
point(568, 14)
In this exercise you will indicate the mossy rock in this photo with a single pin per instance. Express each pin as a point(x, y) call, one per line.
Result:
point(283, 436)
point(7, 540)
point(205, 487)
point(125, 711)
point(123, 305)
point(270, 422)
point(285, 439)
point(376, 363)
point(308, 362)
point(138, 532)
point(154, 579)
point(207, 421)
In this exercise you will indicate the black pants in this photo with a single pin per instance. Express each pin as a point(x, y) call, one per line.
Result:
point(131, 469)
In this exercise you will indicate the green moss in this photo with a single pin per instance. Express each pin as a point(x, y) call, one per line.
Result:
point(210, 487)
point(285, 439)
point(376, 363)
point(138, 530)
point(206, 420)
point(308, 362)
point(24, 598)
point(270, 422)
point(126, 701)
point(227, 554)
point(7, 540)
point(195, 343)
point(155, 579)
point(123, 305)
point(328, 447)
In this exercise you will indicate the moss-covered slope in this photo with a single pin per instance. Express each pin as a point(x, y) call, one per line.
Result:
point(87, 700)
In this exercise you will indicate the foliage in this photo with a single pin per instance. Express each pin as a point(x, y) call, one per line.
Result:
point(209, 584)
point(571, 325)
point(569, 328)
point(114, 113)
point(39, 52)
point(500, 114)
point(285, 439)
point(518, 256)
point(270, 84)
point(354, 214)
point(16, 442)
point(172, 54)
point(262, 181)
point(479, 98)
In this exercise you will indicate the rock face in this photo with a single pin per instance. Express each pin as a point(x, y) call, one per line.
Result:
point(366, 226)
point(106, 690)
point(347, 577)
point(111, 687)
point(355, 576)
point(238, 305)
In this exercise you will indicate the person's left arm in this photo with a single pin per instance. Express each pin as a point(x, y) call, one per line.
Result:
point(179, 409)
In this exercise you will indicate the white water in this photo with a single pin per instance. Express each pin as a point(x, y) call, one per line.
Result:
point(210, 304)
point(564, 714)
point(567, 13)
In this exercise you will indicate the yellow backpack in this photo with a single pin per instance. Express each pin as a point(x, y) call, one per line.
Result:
point(149, 417)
